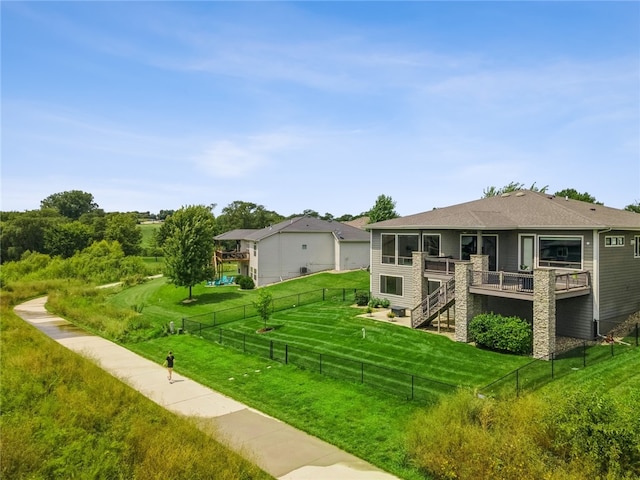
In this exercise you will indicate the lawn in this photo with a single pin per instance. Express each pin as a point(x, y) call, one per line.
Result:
point(366, 421)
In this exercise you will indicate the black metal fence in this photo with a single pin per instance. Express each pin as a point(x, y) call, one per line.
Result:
point(539, 372)
point(242, 312)
point(406, 385)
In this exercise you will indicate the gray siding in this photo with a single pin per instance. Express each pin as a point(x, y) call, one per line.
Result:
point(574, 317)
point(619, 279)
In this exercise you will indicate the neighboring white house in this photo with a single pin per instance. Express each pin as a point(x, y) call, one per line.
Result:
point(296, 247)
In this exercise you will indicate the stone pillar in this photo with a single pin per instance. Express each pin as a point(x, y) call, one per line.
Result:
point(544, 313)
point(480, 263)
point(419, 287)
point(464, 302)
point(468, 305)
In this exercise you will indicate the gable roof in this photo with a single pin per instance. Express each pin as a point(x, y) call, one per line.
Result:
point(518, 210)
point(341, 231)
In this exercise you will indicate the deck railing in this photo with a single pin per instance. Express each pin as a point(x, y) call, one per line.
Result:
point(523, 282)
point(444, 265)
point(231, 256)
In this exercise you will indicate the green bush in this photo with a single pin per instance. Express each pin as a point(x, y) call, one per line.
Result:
point(362, 298)
point(598, 427)
point(245, 282)
point(505, 334)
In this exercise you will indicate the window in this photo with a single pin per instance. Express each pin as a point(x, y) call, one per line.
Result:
point(636, 246)
point(388, 248)
point(431, 245)
point(469, 246)
point(304, 247)
point(391, 285)
point(617, 241)
point(407, 244)
point(255, 248)
point(560, 252)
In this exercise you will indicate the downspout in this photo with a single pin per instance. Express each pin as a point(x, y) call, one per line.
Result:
point(595, 279)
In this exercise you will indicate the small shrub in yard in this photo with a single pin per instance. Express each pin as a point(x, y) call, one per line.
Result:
point(245, 282)
point(505, 334)
point(362, 298)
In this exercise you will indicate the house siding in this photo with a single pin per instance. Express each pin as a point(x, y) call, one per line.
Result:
point(286, 255)
point(619, 279)
point(574, 317)
point(378, 268)
point(351, 255)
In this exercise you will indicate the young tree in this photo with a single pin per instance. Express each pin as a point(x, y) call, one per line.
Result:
point(188, 246)
point(123, 228)
point(384, 209)
point(70, 204)
point(264, 305)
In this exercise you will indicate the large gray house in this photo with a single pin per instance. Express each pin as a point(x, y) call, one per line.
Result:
point(295, 247)
point(571, 268)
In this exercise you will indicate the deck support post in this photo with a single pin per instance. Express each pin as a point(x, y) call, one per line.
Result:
point(544, 313)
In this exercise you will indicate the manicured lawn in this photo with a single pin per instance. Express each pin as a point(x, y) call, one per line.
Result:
point(368, 422)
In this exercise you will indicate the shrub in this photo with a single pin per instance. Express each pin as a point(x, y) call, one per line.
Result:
point(245, 282)
point(505, 334)
point(362, 298)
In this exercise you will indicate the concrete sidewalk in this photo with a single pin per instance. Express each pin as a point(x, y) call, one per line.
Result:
point(279, 449)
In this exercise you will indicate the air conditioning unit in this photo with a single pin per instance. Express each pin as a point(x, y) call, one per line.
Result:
point(303, 270)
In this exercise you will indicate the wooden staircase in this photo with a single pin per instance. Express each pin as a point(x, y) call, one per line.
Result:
point(436, 303)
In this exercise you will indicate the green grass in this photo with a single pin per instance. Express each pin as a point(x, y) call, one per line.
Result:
point(148, 231)
point(368, 422)
point(64, 417)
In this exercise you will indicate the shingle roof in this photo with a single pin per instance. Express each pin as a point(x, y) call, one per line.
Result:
point(519, 210)
point(343, 232)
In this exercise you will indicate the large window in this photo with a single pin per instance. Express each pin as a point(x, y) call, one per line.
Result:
point(431, 244)
point(388, 248)
point(560, 252)
point(406, 245)
point(391, 285)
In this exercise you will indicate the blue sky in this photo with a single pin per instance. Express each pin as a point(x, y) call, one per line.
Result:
point(317, 105)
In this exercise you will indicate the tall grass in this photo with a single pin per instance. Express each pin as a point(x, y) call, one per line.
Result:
point(559, 432)
point(64, 417)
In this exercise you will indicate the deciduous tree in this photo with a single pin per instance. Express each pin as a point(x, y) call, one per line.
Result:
point(123, 228)
point(70, 204)
point(188, 246)
point(384, 209)
point(66, 239)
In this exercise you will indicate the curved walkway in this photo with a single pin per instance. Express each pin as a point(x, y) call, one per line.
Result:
point(279, 449)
